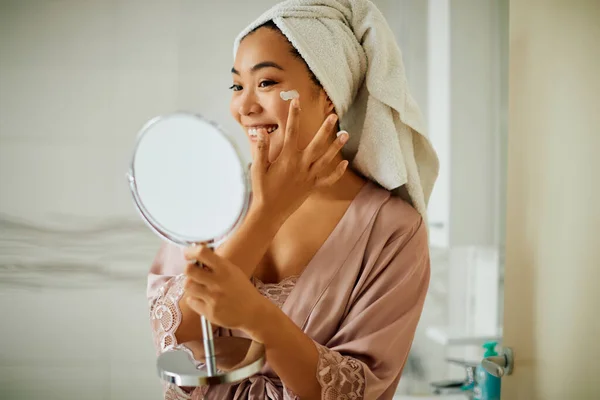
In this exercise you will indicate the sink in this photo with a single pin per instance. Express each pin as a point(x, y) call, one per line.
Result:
point(430, 397)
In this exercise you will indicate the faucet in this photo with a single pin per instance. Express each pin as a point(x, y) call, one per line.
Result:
point(464, 387)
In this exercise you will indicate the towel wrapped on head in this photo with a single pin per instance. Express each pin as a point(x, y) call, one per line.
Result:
point(352, 51)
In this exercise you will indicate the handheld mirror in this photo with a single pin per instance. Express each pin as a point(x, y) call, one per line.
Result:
point(190, 186)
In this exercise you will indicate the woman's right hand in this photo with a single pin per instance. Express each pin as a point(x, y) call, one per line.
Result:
point(280, 187)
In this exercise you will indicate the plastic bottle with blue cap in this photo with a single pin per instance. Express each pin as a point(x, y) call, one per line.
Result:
point(487, 386)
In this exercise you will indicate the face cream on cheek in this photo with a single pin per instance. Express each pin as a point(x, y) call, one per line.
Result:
point(289, 95)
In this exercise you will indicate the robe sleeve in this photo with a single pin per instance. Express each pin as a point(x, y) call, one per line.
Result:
point(165, 289)
point(365, 357)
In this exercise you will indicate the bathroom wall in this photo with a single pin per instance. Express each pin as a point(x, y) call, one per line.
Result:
point(553, 218)
point(77, 81)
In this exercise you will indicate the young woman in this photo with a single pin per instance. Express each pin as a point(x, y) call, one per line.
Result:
point(329, 269)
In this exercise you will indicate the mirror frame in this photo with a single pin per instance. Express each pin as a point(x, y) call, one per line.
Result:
point(147, 217)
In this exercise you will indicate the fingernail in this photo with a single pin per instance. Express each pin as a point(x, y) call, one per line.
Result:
point(333, 118)
point(343, 136)
point(296, 103)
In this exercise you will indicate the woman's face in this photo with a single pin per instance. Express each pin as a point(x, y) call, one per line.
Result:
point(264, 66)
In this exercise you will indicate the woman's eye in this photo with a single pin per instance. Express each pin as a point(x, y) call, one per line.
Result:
point(264, 84)
point(235, 88)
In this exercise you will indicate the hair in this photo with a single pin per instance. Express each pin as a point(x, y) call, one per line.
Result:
point(271, 25)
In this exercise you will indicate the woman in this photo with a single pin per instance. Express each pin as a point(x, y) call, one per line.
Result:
point(329, 270)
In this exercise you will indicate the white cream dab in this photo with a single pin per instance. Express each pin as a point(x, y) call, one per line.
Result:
point(289, 95)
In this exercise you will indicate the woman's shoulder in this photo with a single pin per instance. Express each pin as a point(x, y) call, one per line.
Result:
point(397, 241)
point(396, 218)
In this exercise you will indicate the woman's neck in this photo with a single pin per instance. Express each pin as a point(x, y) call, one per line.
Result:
point(345, 189)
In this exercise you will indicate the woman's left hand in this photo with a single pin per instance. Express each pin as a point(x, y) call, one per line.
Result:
point(222, 292)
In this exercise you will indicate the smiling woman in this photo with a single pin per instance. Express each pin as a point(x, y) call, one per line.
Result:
point(329, 270)
point(266, 64)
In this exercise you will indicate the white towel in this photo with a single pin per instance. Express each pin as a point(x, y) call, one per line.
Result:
point(351, 49)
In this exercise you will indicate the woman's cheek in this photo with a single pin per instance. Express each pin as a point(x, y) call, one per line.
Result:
point(234, 110)
point(278, 107)
point(309, 127)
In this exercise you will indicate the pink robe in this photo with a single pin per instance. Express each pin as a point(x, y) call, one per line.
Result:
point(360, 299)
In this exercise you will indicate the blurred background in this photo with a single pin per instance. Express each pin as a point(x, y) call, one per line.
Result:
point(78, 79)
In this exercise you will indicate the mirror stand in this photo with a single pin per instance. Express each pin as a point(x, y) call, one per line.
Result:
point(234, 359)
point(226, 359)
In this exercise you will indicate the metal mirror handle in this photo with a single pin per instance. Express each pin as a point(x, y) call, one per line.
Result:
point(209, 346)
point(207, 334)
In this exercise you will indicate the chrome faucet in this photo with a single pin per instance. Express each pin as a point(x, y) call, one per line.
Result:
point(464, 386)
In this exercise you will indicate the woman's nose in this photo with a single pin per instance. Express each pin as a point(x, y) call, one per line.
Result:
point(249, 104)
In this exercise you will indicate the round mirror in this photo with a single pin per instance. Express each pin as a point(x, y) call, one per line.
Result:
point(188, 179)
point(189, 183)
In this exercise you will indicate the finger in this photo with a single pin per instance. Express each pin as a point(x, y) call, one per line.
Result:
point(334, 176)
point(290, 142)
point(195, 252)
point(261, 157)
point(318, 144)
point(191, 253)
point(325, 160)
point(200, 274)
point(195, 289)
point(209, 258)
point(196, 304)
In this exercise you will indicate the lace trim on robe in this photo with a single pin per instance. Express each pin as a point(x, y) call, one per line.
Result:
point(165, 315)
point(340, 377)
point(276, 292)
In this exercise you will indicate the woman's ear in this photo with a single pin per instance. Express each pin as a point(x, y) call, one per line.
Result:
point(331, 110)
point(329, 107)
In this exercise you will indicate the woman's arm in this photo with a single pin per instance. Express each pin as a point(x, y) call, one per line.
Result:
point(249, 244)
point(245, 248)
point(291, 353)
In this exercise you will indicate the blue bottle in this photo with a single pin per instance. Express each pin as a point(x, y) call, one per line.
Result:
point(487, 386)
